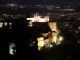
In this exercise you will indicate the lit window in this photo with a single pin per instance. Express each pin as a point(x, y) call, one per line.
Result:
point(30, 24)
point(1, 24)
point(5, 24)
point(10, 24)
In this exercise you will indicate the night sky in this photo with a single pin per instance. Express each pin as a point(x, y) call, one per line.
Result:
point(42, 1)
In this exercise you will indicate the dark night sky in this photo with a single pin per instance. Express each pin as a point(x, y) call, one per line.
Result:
point(43, 1)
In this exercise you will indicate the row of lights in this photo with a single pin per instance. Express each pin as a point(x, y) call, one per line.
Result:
point(5, 24)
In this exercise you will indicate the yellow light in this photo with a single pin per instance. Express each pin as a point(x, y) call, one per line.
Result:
point(39, 48)
point(40, 41)
point(54, 37)
point(45, 34)
point(60, 38)
point(51, 45)
point(53, 26)
point(47, 43)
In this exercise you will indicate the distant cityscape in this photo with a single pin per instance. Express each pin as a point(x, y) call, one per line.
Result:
point(39, 30)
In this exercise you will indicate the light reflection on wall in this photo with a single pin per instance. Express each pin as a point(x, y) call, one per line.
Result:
point(12, 50)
